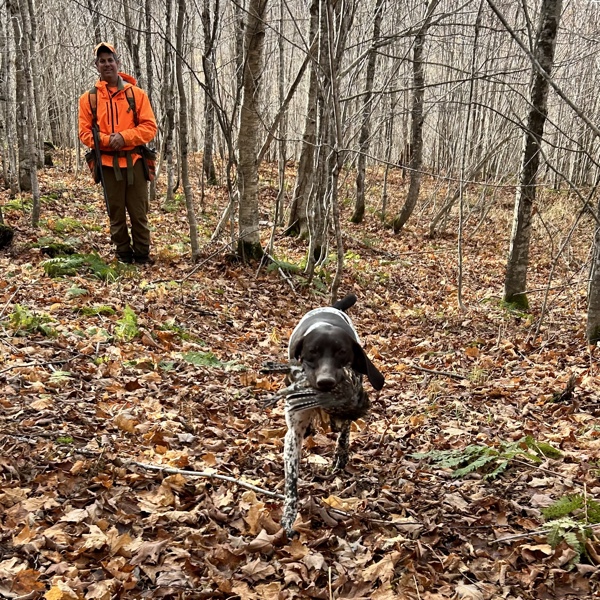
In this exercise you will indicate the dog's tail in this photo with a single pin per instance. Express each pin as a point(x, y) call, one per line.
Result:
point(345, 303)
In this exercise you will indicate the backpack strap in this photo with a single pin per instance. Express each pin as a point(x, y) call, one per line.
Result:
point(93, 99)
point(131, 99)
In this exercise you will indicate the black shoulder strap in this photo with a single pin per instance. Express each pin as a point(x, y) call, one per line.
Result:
point(93, 98)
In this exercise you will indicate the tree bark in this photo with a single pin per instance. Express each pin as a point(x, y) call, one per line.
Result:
point(210, 29)
point(297, 221)
point(23, 147)
point(416, 141)
point(31, 122)
point(249, 246)
point(132, 45)
point(515, 283)
point(183, 134)
point(365, 130)
point(593, 310)
point(148, 44)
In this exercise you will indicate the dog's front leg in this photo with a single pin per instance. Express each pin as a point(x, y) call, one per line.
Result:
point(342, 452)
point(297, 424)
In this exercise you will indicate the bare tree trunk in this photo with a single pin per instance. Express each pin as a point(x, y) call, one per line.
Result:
point(210, 33)
point(132, 45)
point(593, 311)
point(515, 283)
point(297, 222)
point(7, 116)
point(37, 82)
point(365, 130)
point(30, 111)
point(183, 134)
point(148, 44)
point(168, 105)
point(416, 157)
point(23, 147)
point(282, 159)
point(249, 246)
point(92, 6)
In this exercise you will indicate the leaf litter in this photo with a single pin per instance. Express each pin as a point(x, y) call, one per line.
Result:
point(106, 381)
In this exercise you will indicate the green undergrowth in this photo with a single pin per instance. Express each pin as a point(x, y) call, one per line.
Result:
point(81, 264)
point(23, 321)
point(127, 326)
point(208, 359)
point(491, 461)
point(570, 520)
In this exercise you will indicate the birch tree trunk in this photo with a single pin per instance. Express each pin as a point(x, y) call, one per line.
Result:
point(23, 149)
point(515, 283)
point(30, 113)
point(8, 125)
point(249, 246)
point(183, 134)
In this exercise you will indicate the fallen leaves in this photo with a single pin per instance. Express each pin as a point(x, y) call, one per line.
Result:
point(83, 412)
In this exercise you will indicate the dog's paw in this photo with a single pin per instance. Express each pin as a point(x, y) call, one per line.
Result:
point(288, 528)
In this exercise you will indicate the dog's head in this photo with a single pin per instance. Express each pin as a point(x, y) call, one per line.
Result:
point(325, 349)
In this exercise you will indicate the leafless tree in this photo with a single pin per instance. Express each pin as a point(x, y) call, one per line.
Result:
point(249, 246)
point(183, 133)
point(417, 117)
point(365, 130)
point(518, 260)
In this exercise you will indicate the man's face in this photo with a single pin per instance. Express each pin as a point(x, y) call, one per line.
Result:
point(107, 65)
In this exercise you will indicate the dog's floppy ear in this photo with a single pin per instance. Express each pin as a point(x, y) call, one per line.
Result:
point(295, 349)
point(362, 364)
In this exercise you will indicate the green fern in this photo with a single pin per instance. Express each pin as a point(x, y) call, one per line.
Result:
point(493, 461)
point(570, 531)
point(563, 507)
point(576, 505)
point(202, 359)
point(69, 265)
point(62, 266)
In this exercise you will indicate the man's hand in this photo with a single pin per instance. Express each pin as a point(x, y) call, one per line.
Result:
point(116, 141)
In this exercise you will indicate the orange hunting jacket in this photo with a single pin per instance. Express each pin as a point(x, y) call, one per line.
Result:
point(115, 116)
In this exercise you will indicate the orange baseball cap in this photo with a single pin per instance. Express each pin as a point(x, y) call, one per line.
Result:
point(104, 47)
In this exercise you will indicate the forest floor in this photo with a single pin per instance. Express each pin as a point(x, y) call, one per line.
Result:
point(105, 381)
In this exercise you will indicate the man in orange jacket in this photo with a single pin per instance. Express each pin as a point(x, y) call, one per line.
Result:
point(124, 127)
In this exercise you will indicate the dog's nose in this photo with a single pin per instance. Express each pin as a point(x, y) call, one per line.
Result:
point(325, 383)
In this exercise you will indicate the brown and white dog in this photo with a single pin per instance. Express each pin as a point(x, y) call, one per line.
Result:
point(329, 367)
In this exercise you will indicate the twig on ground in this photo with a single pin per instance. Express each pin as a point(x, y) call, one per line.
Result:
point(434, 372)
point(203, 474)
point(12, 296)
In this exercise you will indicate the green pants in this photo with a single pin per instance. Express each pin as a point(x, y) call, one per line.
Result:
point(132, 200)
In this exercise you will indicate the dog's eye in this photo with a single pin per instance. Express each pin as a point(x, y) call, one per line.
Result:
point(342, 353)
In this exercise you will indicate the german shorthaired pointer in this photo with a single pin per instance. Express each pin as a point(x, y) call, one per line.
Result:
point(327, 363)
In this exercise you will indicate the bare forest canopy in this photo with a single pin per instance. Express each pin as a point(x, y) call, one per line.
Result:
point(396, 150)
